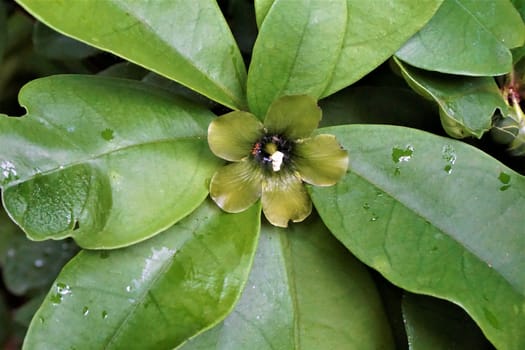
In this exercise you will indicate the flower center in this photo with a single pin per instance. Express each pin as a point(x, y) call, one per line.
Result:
point(272, 152)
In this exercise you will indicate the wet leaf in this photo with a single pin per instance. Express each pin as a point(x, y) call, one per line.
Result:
point(435, 324)
point(467, 37)
point(103, 160)
point(466, 104)
point(184, 40)
point(432, 215)
point(305, 291)
point(309, 47)
point(182, 281)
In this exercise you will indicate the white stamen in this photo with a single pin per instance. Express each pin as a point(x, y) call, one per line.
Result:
point(277, 160)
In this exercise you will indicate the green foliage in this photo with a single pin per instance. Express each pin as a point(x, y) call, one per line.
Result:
point(112, 151)
point(477, 35)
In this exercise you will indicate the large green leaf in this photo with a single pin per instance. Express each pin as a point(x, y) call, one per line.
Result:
point(466, 104)
point(107, 161)
point(305, 291)
point(182, 281)
point(316, 47)
point(185, 40)
point(434, 216)
point(467, 37)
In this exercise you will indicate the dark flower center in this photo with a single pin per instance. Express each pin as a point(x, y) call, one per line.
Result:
point(273, 152)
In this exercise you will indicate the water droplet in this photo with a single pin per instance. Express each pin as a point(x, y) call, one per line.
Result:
point(258, 317)
point(449, 155)
point(374, 217)
point(104, 314)
point(129, 288)
point(402, 155)
point(8, 171)
point(39, 263)
point(504, 178)
point(41, 320)
point(62, 290)
point(366, 206)
point(107, 134)
point(85, 311)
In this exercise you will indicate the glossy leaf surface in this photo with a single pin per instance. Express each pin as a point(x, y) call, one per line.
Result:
point(467, 37)
point(311, 47)
point(305, 291)
point(185, 40)
point(182, 281)
point(466, 104)
point(433, 216)
point(106, 161)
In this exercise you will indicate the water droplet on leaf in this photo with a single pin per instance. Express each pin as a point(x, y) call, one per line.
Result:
point(504, 178)
point(107, 134)
point(402, 155)
point(449, 155)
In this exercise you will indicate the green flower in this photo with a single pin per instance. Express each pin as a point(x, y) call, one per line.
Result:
point(271, 161)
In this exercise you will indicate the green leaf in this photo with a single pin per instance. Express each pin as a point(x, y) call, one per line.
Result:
point(432, 215)
point(181, 282)
point(467, 37)
point(311, 47)
point(466, 104)
point(261, 10)
point(305, 291)
point(185, 40)
point(32, 266)
point(109, 162)
point(53, 45)
point(435, 324)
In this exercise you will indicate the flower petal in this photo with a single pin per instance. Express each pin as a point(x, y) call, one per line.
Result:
point(294, 117)
point(232, 136)
point(285, 198)
point(235, 187)
point(320, 160)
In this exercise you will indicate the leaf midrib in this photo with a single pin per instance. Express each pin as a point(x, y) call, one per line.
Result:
point(101, 155)
point(121, 6)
